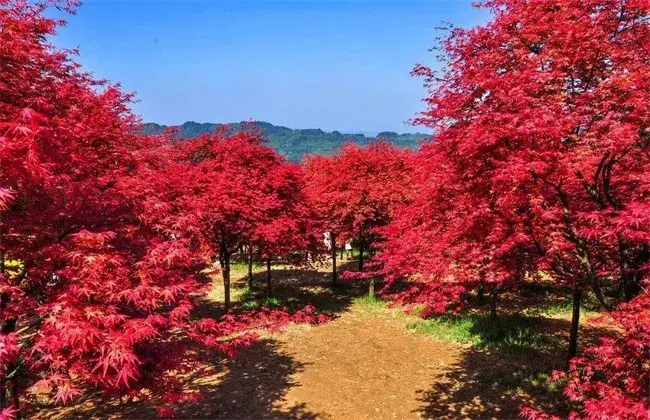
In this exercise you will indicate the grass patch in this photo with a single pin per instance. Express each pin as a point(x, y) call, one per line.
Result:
point(541, 380)
point(250, 300)
point(456, 329)
point(556, 308)
point(510, 333)
point(269, 302)
point(564, 307)
point(242, 294)
point(370, 303)
point(242, 266)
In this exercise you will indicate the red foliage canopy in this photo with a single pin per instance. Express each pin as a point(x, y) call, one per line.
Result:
point(540, 159)
point(356, 191)
point(235, 191)
point(100, 258)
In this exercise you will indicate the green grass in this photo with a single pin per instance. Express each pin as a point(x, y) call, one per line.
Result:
point(250, 300)
point(269, 302)
point(564, 306)
point(371, 303)
point(509, 333)
point(242, 266)
point(518, 353)
point(541, 380)
point(556, 308)
point(456, 329)
point(242, 294)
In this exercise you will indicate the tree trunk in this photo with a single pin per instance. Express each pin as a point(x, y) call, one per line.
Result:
point(14, 393)
point(250, 269)
point(493, 304)
point(334, 276)
point(480, 295)
point(8, 384)
point(632, 286)
point(371, 287)
point(224, 260)
point(269, 282)
point(595, 285)
point(3, 393)
point(575, 321)
point(361, 244)
point(3, 300)
point(341, 254)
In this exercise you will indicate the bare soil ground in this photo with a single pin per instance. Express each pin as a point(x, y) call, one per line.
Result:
point(364, 364)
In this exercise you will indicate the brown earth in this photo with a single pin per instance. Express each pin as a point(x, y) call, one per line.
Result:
point(364, 366)
point(359, 366)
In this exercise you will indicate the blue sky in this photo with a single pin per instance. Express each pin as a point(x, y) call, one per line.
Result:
point(304, 64)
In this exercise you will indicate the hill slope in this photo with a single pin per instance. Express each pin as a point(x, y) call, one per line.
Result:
point(294, 143)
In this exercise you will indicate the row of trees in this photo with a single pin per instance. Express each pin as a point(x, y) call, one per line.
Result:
point(243, 198)
point(239, 194)
point(539, 169)
point(356, 192)
point(107, 235)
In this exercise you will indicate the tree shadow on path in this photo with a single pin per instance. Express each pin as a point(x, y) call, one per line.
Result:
point(253, 386)
point(296, 288)
point(292, 288)
point(497, 380)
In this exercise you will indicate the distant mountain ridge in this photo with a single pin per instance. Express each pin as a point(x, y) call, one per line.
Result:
point(294, 144)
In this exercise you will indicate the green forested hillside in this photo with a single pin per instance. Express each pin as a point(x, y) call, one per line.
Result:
point(294, 143)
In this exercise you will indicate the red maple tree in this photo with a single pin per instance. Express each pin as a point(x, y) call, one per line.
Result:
point(100, 260)
point(240, 192)
point(356, 192)
point(287, 231)
point(540, 156)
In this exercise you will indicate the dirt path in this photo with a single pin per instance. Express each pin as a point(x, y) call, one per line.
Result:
point(363, 365)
